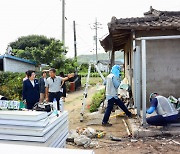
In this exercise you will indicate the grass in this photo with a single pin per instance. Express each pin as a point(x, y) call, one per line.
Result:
point(92, 80)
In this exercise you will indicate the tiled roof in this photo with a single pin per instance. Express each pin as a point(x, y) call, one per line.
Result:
point(121, 29)
point(152, 19)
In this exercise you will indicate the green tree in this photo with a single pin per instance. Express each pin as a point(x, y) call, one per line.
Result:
point(31, 41)
point(39, 49)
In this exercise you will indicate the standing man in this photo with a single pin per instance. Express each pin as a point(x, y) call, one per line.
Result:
point(166, 112)
point(30, 90)
point(42, 82)
point(63, 86)
point(53, 86)
point(112, 83)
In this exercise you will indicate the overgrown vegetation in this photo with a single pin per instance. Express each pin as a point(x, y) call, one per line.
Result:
point(97, 99)
point(43, 50)
point(40, 49)
point(11, 85)
point(95, 74)
point(92, 81)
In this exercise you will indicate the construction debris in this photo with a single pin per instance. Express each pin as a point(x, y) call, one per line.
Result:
point(94, 144)
point(72, 135)
point(101, 134)
point(113, 138)
point(83, 137)
point(89, 132)
point(134, 140)
point(176, 142)
point(82, 140)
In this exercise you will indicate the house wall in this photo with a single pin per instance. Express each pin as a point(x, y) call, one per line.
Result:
point(163, 64)
point(16, 66)
point(163, 67)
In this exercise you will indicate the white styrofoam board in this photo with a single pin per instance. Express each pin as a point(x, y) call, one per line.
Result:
point(44, 138)
point(23, 115)
point(40, 123)
point(62, 143)
point(21, 149)
point(33, 131)
point(59, 138)
point(49, 143)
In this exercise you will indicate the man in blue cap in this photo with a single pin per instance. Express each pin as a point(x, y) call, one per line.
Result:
point(112, 84)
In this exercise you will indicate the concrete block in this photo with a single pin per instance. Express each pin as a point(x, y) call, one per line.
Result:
point(139, 131)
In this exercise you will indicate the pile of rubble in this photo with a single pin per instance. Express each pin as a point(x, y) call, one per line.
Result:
point(85, 137)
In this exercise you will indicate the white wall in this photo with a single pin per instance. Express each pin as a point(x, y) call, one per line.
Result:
point(16, 66)
point(103, 68)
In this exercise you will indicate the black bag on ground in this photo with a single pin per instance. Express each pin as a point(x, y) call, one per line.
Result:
point(45, 108)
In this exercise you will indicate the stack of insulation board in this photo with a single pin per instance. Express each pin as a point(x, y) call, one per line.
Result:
point(33, 128)
point(22, 149)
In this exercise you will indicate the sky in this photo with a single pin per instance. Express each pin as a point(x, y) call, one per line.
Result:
point(43, 17)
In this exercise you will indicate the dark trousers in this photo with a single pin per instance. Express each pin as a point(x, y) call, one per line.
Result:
point(57, 96)
point(159, 120)
point(30, 105)
point(109, 108)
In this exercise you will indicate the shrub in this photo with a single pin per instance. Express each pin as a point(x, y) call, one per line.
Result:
point(11, 85)
point(97, 99)
point(96, 74)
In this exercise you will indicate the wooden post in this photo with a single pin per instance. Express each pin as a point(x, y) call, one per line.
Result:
point(112, 59)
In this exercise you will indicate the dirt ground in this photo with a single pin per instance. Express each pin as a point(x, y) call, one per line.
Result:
point(151, 145)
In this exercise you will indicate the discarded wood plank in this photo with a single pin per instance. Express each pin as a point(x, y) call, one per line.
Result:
point(176, 142)
point(127, 129)
point(116, 115)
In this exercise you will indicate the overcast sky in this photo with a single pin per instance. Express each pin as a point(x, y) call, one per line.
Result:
point(43, 17)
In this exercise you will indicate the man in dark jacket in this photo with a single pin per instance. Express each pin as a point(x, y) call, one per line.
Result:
point(42, 81)
point(31, 90)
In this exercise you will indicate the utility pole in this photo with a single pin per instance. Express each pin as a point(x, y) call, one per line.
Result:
point(75, 47)
point(96, 26)
point(63, 23)
point(96, 40)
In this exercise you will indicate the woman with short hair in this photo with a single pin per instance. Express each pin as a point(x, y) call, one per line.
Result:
point(31, 93)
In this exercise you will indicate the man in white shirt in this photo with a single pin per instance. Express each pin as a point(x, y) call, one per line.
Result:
point(42, 87)
point(53, 86)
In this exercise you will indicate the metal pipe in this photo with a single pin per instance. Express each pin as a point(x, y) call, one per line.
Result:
point(134, 70)
point(103, 78)
point(143, 45)
point(159, 37)
point(135, 77)
point(85, 94)
point(138, 80)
